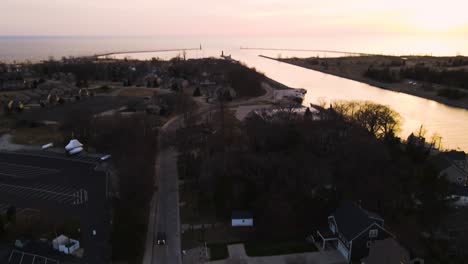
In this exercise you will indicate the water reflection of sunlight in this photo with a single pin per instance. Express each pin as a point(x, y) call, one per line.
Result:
point(451, 123)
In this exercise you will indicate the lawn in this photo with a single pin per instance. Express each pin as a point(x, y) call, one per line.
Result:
point(137, 92)
point(104, 89)
point(272, 248)
point(10, 93)
point(5, 124)
point(218, 251)
point(37, 135)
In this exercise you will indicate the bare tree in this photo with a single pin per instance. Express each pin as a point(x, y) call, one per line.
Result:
point(379, 120)
point(436, 141)
point(322, 102)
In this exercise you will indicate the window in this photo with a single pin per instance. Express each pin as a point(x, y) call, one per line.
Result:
point(369, 243)
point(460, 179)
point(373, 233)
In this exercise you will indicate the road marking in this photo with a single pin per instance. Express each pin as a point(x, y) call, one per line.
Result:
point(47, 260)
point(60, 194)
point(33, 189)
point(24, 171)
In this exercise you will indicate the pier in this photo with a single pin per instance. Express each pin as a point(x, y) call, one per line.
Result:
point(314, 50)
point(142, 51)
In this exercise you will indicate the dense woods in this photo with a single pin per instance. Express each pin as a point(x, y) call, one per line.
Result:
point(244, 80)
point(457, 78)
point(382, 75)
point(453, 78)
point(88, 69)
point(291, 170)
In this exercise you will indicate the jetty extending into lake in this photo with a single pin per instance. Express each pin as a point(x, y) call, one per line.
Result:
point(348, 53)
point(142, 51)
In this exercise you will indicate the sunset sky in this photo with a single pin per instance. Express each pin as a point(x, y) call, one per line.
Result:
point(232, 17)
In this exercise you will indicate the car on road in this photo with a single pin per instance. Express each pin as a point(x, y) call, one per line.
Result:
point(161, 238)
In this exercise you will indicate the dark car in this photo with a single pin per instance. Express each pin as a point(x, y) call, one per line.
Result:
point(161, 238)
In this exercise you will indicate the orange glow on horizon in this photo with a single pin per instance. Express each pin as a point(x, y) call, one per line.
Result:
point(240, 17)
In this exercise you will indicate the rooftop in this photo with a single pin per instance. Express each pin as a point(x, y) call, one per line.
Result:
point(351, 219)
point(455, 155)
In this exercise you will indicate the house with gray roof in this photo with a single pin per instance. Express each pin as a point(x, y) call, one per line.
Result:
point(456, 167)
point(352, 230)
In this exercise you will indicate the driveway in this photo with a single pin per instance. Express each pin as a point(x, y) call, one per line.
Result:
point(237, 255)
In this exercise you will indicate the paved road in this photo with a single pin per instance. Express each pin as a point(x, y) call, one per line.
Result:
point(164, 213)
point(167, 219)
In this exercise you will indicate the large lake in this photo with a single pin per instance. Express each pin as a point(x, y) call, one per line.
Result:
point(451, 123)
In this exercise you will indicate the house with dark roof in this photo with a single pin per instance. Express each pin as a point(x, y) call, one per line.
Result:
point(352, 230)
point(453, 166)
point(456, 167)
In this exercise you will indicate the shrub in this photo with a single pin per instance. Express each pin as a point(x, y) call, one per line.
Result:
point(452, 94)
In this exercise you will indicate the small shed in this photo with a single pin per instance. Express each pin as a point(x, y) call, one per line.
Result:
point(242, 218)
point(65, 244)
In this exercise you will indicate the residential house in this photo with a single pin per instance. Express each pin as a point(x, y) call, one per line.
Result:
point(453, 166)
point(456, 170)
point(352, 230)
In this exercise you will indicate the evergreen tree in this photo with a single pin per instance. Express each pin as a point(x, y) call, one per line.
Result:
point(308, 113)
point(197, 92)
point(11, 214)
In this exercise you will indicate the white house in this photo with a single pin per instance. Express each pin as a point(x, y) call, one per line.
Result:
point(241, 218)
point(65, 245)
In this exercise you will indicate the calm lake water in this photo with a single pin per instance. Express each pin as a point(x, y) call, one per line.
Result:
point(451, 123)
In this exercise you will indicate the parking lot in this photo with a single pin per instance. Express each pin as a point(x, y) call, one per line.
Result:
point(19, 257)
point(54, 193)
point(68, 186)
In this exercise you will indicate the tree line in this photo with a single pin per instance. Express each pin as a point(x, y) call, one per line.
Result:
point(454, 78)
point(291, 170)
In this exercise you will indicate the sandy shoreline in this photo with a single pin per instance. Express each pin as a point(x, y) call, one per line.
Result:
point(392, 87)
